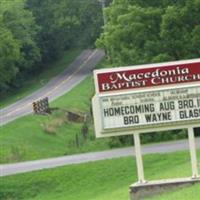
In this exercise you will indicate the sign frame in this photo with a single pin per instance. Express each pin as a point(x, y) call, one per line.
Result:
point(98, 120)
point(130, 130)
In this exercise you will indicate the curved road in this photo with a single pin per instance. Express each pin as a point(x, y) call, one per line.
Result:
point(61, 84)
point(10, 169)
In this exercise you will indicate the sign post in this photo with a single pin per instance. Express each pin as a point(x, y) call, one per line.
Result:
point(139, 161)
point(193, 155)
point(149, 98)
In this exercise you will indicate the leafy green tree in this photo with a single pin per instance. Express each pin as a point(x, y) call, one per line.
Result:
point(39, 31)
point(66, 24)
point(9, 55)
point(151, 31)
point(91, 22)
point(48, 17)
point(19, 32)
point(24, 29)
point(180, 30)
point(132, 36)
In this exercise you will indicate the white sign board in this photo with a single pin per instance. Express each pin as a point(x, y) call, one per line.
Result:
point(121, 107)
point(150, 108)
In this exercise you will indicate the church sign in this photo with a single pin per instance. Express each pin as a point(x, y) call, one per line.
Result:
point(146, 97)
point(120, 79)
point(149, 98)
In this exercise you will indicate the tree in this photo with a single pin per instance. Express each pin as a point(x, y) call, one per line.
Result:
point(19, 32)
point(9, 55)
point(66, 24)
point(180, 30)
point(91, 22)
point(50, 38)
point(21, 23)
point(40, 31)
point(151, 31)
point(132, 36)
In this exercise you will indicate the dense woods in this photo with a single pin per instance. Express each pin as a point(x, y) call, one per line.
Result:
point(139, 31)
point(34, 33)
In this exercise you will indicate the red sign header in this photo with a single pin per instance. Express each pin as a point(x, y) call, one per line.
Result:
point(148, 77)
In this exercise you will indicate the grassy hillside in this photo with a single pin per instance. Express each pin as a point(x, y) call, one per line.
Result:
point(102, 180)
point(35, 137)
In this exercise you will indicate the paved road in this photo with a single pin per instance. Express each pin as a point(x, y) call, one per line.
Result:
point(61, 84)
point(10, 169)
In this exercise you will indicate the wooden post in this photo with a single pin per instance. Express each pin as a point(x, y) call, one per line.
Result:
point(193, 154)
point(139, 162)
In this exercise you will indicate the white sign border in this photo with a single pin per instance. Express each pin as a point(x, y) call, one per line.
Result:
point(98, 121)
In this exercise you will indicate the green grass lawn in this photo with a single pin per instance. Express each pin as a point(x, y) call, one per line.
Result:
point(39, 80)
point(102, 180)
point(27, 139)
point(37, 137)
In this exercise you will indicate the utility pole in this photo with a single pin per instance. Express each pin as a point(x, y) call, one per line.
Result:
point(103, 5)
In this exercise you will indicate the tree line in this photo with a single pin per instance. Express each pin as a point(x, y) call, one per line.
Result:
point(34, 33)
point(139, 31)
